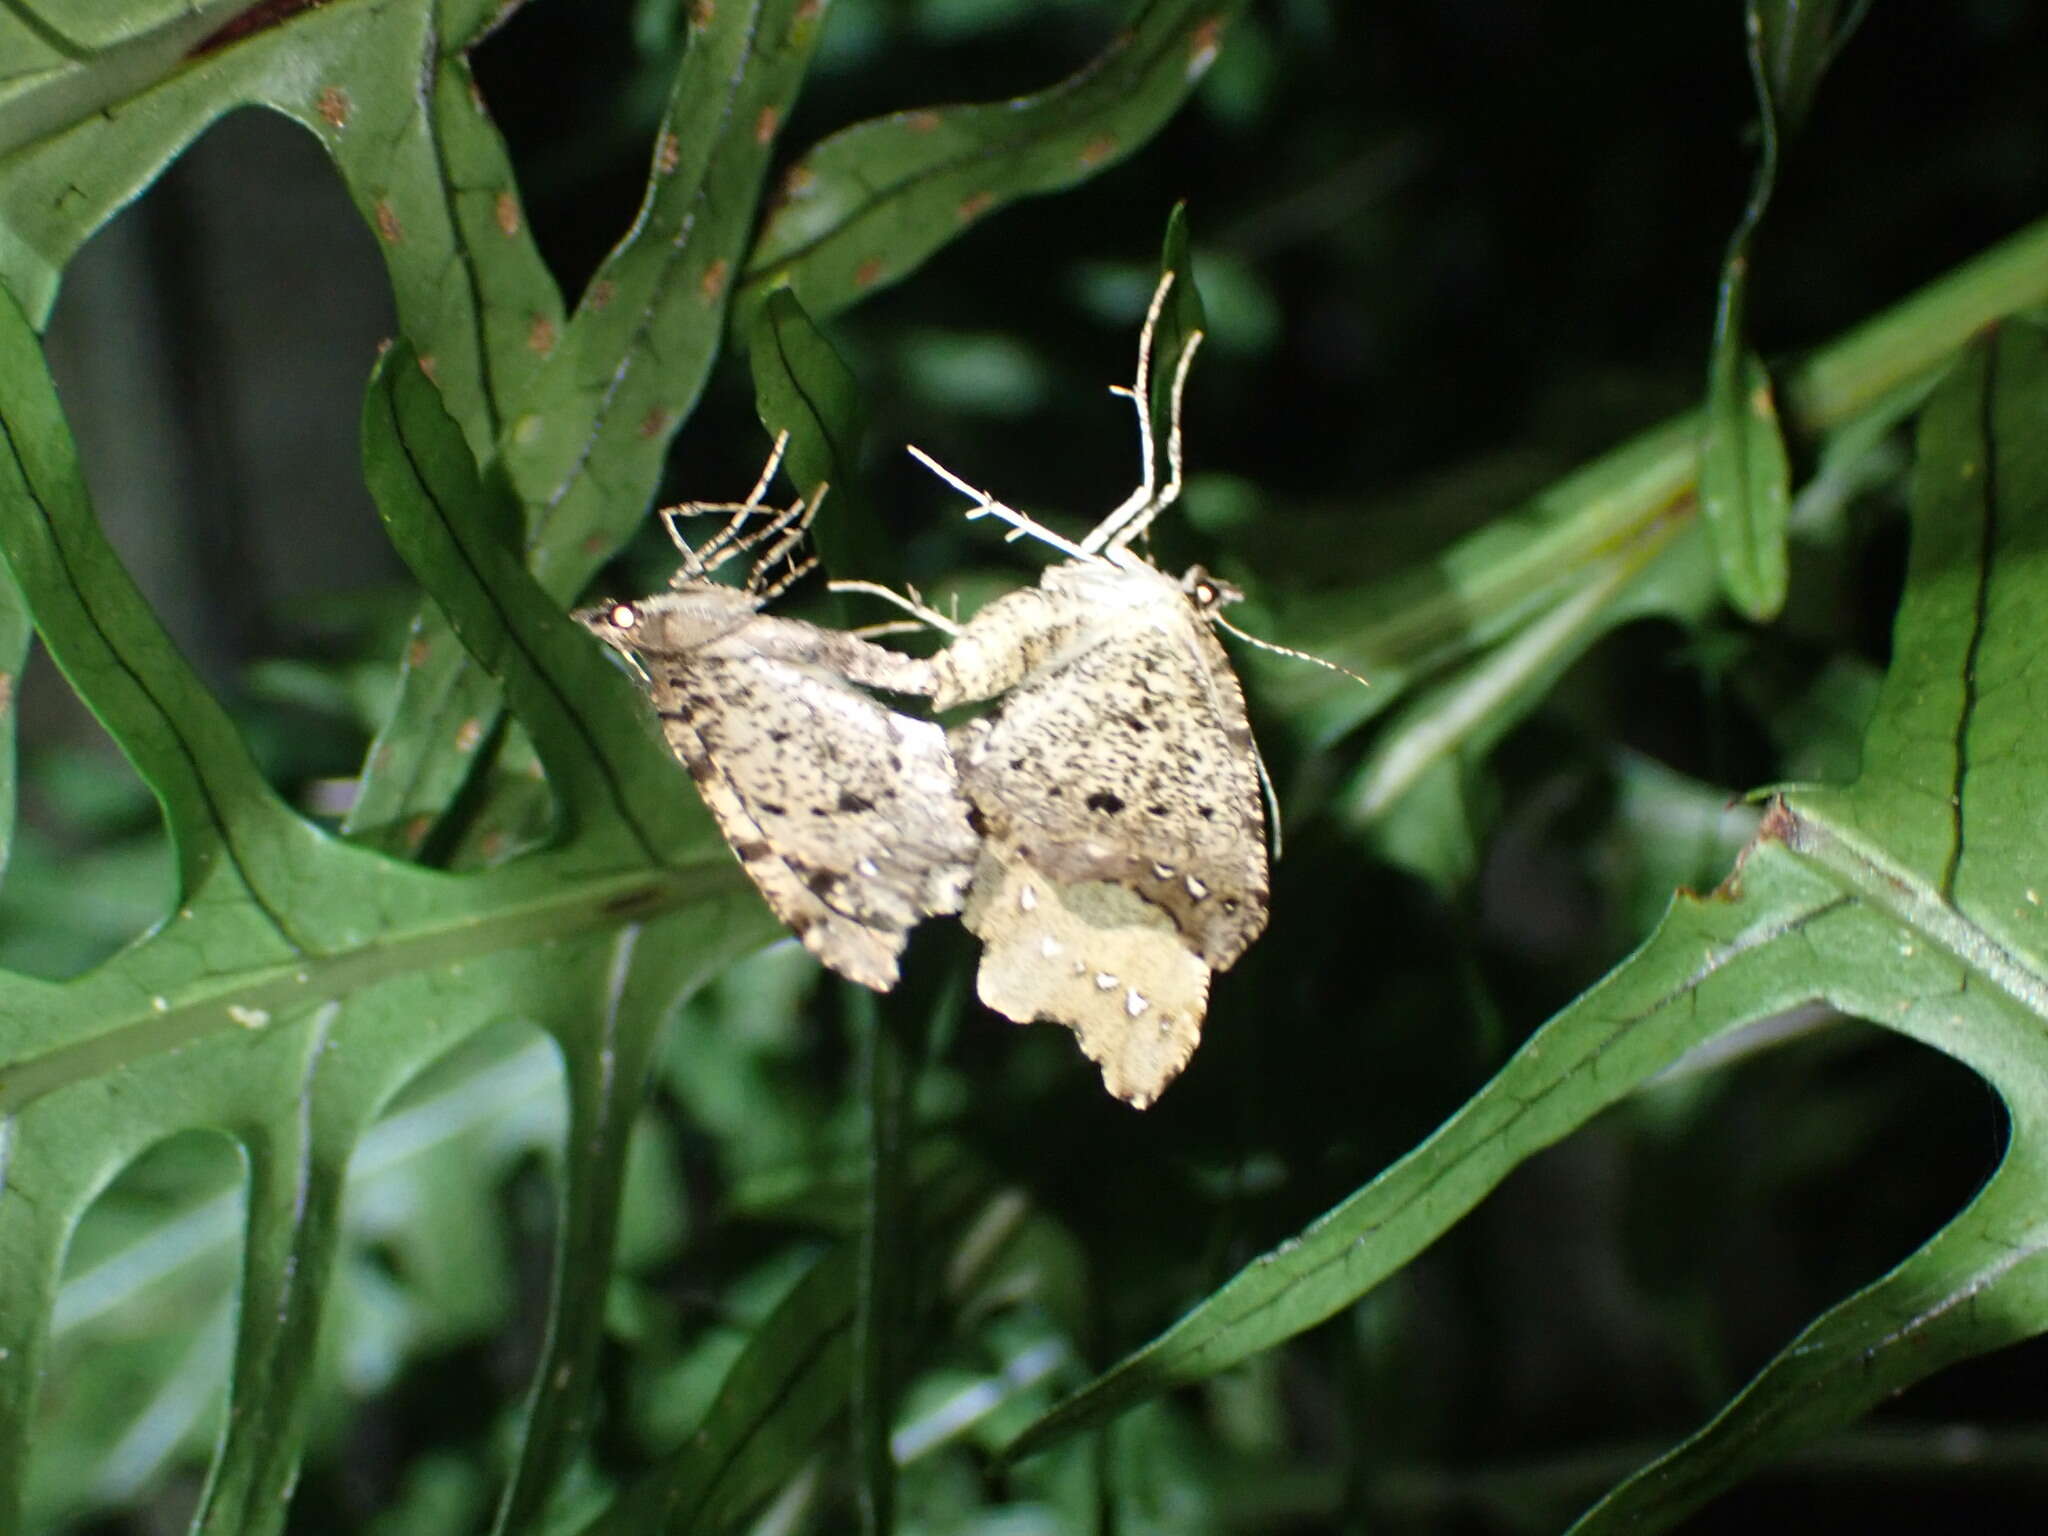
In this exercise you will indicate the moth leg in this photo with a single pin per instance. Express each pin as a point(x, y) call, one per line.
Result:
point(925, 616)
point(722, 546)
point(1020, 525)
point(728, 543)
point(798, 570)
point(797, 522)
point(888, 627)
point(768, 470)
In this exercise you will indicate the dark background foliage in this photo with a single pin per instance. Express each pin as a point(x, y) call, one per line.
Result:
point(1449, 251)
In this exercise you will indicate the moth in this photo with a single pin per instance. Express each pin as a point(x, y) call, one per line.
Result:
point(1116, 786)
point(847, 815)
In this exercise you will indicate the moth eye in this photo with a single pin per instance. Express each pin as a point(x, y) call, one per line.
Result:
point(624, 616)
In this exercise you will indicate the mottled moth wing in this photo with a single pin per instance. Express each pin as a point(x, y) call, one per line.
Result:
point(1116, 785)
point(1117, 790)
point(847, 815)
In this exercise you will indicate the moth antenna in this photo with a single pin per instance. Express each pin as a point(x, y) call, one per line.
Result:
point(988, 506)
point(1137, 394)
point(1137, 510)
point(1278, 649)
point(925, 616)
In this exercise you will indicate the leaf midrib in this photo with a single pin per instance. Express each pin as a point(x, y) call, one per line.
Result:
point(543, 909)
point(1906, 898)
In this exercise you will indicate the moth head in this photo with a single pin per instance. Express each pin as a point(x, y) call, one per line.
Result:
point(1208, 593)
point(617, 624)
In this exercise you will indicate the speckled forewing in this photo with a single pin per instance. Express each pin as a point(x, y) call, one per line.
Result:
point(847, 815)
point(1130, 760)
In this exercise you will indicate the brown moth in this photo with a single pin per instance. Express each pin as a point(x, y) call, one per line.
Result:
point(1116, 787)
point(847, 815)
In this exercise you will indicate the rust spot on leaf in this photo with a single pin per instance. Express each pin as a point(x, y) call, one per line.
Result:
point(1098, 149)
point(416, 830)
point(703, 13)
point(602, 293)
point(712, 283)
point(334, 106)
point(492, 846)
point(430, 365)
point(540, 335)
point(766, 124)
point(1204, 43)
point(507, 210)
point(972, 208)
point(387, 223)
point(921, 122)
point(594, 545)
point(652, 424)
point(416, 653)
point(1778, 825)
point(468, 734)
point(6, 691)
point(668, 154)
point(865, 274)
point(798, 182)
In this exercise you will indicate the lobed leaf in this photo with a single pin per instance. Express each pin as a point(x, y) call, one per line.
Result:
point(869, 205)
point(302, 981)
point(1907, 899)
point(585, 439)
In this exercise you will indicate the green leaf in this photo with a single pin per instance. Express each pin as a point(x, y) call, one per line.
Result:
point(301, 982)
point(1745, 476)
point(1792, 43)
point(804, 388)
point(776, 1401)
point(224, 820)
point(1510, 605)
point(16, 634)
point(1937, 847)
point(460, 537)
point(1745, 473)
point(869, 205)
point(1911, 899)
point(796, 1376)
point(92, 120)
point(586, 437)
